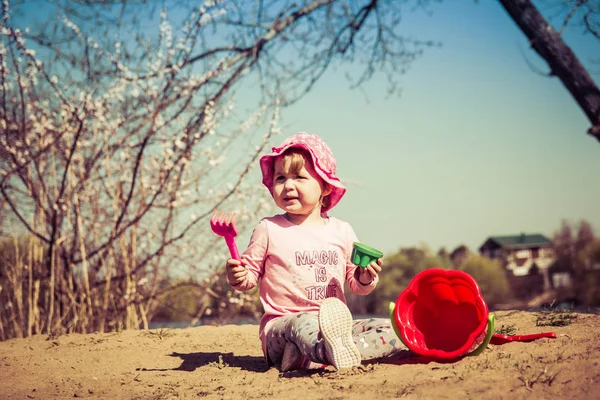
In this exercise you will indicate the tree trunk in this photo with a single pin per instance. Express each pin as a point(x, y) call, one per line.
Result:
point(561, 59)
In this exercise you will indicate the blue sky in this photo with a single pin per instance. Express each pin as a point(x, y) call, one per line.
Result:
point(478, 144)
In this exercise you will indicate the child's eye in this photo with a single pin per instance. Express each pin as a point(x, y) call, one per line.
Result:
point(279, 178)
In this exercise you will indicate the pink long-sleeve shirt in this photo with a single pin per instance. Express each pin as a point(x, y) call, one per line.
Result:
point(299, 266)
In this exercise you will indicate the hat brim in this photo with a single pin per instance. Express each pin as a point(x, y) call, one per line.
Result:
point(267, 166)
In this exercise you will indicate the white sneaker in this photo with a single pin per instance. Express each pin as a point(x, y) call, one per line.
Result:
point(335, 322)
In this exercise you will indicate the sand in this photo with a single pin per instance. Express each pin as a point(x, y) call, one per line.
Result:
point(225, 362)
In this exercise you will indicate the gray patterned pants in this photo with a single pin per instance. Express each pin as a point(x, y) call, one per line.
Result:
point(374, 338)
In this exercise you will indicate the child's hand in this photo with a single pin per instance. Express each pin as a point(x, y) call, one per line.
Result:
point(236, 271)
point(370, 272)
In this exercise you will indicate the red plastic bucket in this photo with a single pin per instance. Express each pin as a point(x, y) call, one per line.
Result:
point(441, 314)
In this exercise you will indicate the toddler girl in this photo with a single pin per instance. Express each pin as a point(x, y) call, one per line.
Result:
point(300, 259)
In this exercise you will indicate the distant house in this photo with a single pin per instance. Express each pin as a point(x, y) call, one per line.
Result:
point(525, 255)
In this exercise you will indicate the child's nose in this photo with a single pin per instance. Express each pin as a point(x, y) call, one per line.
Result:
point(289, 184)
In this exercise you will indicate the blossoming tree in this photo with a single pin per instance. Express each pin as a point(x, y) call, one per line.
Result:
point(123, 129)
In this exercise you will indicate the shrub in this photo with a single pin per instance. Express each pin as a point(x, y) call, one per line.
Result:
point(490, 277)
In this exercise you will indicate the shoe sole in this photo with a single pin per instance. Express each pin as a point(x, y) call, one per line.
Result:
point(335, 322)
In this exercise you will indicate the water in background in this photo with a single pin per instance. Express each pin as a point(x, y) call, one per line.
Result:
point(202, 322)
point(217, 322)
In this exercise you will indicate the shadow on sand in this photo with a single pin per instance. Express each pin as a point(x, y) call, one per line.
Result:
point(406, 357)
point(191, 361)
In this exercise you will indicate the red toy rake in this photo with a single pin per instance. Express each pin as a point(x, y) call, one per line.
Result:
point(224, 225)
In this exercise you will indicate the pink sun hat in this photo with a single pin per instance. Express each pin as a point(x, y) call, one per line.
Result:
point(323, 162)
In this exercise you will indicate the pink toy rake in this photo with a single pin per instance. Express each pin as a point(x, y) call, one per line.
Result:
point(224, 225)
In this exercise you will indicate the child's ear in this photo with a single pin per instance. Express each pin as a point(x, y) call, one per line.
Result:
point(326, 190)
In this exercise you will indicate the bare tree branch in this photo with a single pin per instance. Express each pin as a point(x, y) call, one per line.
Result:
point(563, 63)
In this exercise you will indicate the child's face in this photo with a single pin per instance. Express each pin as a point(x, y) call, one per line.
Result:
point(296, 190)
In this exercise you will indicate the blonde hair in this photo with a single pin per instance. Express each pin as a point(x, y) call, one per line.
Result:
point(297, 158)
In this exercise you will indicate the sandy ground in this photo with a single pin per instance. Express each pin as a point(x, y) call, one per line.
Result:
point(225, 362)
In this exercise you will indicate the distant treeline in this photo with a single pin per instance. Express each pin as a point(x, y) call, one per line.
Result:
point(35, 301)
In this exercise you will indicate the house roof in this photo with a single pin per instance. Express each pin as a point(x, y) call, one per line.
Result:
point(519, 241)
